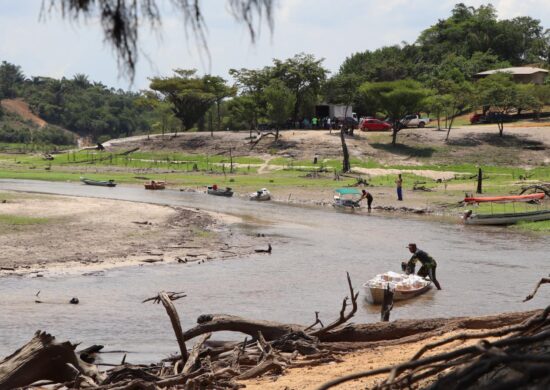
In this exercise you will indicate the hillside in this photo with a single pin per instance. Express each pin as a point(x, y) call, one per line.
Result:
point(21, 108)
point(19, 125)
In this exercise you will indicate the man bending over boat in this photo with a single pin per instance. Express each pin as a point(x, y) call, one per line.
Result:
point(428, 264)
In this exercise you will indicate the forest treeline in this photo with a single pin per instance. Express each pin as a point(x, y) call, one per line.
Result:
point(434, 74)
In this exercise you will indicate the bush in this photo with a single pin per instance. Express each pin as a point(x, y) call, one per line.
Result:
point(15, 136)
point(54, 136)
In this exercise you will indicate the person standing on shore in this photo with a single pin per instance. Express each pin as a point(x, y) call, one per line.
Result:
point(428, 264)
point(399, 184)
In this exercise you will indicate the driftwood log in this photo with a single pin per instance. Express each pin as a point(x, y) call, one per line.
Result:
point(43, 358)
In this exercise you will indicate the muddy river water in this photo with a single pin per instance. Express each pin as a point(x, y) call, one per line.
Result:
point(482, 271)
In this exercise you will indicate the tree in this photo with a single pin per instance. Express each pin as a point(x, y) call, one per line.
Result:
point(342, 89)
point(251, 83)
point(218, 87)
point(497, 92)
point(396, 99)
point(280, 103)
point(304, 76)
point(121, 20)
point(10, 76)
point(459, 96)
point(242, 112)
point(189, 95)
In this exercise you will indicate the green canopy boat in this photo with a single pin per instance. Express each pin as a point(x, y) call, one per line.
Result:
point(346, 199)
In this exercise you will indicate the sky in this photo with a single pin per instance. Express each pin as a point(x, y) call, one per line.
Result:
point(329, 29)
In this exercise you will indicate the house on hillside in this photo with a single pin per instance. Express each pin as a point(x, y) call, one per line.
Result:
point(521, 74)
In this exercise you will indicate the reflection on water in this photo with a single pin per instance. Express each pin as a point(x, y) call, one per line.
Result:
point(482, 271)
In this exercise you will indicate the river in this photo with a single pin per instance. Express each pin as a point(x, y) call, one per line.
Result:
point(482, 271)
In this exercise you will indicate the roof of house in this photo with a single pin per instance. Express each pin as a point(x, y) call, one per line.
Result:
point(520, 70)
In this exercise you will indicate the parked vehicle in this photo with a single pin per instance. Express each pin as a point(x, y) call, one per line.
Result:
point(371, 124)
point(414, 121)
point(490, 117)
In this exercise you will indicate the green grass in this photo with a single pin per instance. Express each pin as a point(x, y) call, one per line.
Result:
point(18, 220)
point(541, 226)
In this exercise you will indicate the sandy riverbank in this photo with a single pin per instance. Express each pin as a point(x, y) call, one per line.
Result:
point(68, 234)
point(310, 378)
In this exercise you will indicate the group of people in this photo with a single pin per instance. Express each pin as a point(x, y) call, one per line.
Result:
point(326, 123)
point(368, 196)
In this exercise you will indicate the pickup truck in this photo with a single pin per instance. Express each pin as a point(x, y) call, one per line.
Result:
point(414, 120)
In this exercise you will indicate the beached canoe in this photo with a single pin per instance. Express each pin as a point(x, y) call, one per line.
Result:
point(227, 191)
point(501, 199)
point(403, 286)
point(155, 185)
point(506, 218)
point(102, 183)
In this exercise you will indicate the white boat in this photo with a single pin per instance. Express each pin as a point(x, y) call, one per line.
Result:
point(403, 286)
point(346, 199)
point(260, 195)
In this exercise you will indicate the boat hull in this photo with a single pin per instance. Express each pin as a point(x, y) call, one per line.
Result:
point(227, 194)
point(375, 295)
point(507, 219)
point(100, 183)
point(155, 186)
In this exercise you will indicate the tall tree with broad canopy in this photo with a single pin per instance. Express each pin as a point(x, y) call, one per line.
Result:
point(251, 83)
point(497, 93)
point(218, 87)
point(280, 103)
point(303, 75)
point(189, 95)
point(396, 99)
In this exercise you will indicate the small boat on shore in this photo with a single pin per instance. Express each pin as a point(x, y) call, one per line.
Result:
point(260, 195)
point(155, 185)
point(504, 199)
point(101, 183)
point(346, 199)
point(403, 286)
point(471, 218)
point(212, 190)
point(505, 218)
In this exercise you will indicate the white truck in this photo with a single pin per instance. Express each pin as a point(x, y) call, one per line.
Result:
point(335, 111)
point(414, 121)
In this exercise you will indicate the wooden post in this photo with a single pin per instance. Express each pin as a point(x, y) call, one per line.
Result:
point(230, 161)
point(479, 182)
point(387, 304)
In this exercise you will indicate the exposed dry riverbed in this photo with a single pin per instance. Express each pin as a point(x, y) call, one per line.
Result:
point(313, 248)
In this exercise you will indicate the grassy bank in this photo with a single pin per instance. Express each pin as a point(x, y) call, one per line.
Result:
point(428, 181)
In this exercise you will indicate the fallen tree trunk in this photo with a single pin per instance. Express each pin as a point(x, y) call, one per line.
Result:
point(208, 323)
point(412, 330)
point(43, 358)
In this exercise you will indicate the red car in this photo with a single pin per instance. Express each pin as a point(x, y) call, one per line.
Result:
point(375, 125)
